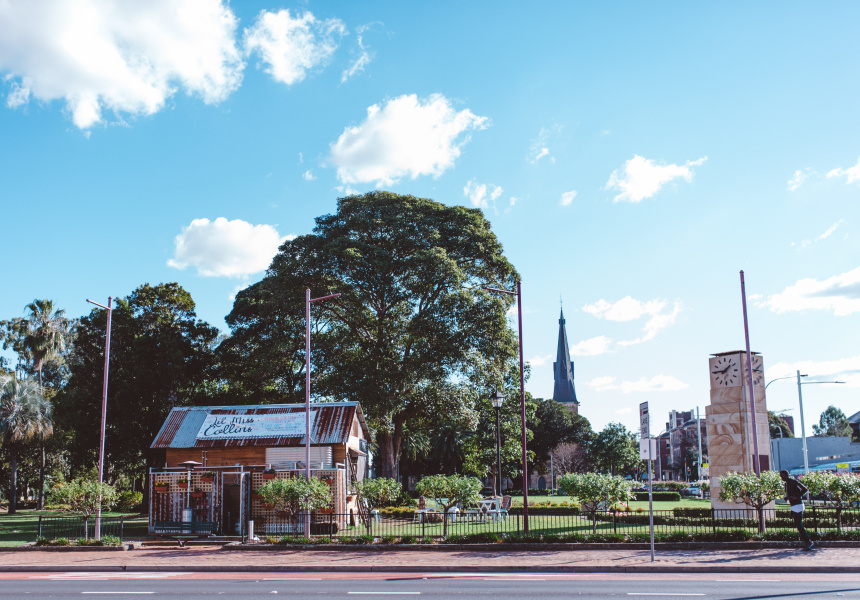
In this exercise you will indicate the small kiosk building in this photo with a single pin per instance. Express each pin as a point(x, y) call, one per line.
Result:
point(215, 458)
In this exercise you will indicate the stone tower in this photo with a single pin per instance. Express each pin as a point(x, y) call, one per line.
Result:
point(729, 419)
point(564, 390)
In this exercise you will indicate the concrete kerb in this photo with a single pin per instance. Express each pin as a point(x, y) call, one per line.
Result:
point(423, 569)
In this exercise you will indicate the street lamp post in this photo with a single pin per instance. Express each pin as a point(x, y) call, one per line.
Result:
point(519, 296)
point(496, 398)
point(109, 309)
point(802, 422)
point(308, 301)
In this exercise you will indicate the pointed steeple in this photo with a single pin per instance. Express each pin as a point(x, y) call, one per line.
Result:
point(564, 390)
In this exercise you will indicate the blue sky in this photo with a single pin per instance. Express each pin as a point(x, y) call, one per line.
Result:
point(632, 159)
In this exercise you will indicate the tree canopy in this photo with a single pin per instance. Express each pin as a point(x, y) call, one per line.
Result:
point(412, 314)
point(161, 357)
point(833, 423)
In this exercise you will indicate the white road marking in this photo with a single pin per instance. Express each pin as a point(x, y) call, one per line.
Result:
point(510, 579)
point(659, 594)
point(413, 593)
point(292, 579)
point(117, 592)
point(746, 580)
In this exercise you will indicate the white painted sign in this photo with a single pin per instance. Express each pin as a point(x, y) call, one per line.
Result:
point(644, 429)
point(705, 471)
point(842, 468)
point(223, 427)
point(643, 450)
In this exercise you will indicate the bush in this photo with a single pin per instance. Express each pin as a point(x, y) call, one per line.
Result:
point(408, 539)
point(658, 496)
point(129, 501)
point(523, 538)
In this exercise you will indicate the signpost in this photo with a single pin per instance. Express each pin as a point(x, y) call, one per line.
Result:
point(645, 436)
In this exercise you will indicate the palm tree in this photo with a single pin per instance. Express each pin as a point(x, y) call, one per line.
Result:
point(42, 335)
point(25, 415)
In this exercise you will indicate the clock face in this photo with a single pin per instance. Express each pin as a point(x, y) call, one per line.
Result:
point(757, 370)
point(726, 371)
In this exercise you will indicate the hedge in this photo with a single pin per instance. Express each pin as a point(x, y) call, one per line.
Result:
point(658, 496)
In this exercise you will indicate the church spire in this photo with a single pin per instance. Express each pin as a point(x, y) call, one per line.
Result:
point(564, 390)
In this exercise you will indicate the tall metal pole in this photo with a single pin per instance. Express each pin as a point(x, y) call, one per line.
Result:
point(802, 426)
point(308, 384)
point(699, 431)
point(109, 309)
point(498, 453)
point(756, 460)
point(523, 405)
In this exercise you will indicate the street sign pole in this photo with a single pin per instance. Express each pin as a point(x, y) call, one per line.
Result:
point(645, 434)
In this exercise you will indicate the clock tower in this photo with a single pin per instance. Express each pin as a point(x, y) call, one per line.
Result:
point(731, 446)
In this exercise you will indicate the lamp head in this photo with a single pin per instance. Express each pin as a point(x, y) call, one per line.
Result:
point(496, 398)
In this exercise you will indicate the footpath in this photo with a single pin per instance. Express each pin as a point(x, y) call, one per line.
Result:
point(218, 559)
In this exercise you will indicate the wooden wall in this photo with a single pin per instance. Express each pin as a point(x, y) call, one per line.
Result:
point(215, 457)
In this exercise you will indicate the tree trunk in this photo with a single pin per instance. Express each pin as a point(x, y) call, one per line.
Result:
point(13, 482)
point(389, 450)
point(41, 504)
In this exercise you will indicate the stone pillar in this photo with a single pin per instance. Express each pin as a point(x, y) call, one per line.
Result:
point(729, 420)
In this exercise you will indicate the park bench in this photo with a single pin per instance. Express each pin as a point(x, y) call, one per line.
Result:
point(183, 531)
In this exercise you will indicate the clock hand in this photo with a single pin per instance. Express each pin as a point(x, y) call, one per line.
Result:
point(723, 371)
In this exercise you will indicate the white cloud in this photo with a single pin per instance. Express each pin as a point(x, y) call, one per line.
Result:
point(658, 383)
point(624, 411)
point(480, 194)
point(843, 369)
point(364, 57)
point(827, 233)
point(223, 248)
point(538, 149)
point(660, 315)
point(798, 180)
point(641, 178)
point(592, 346)
point(126, 57)
point(840, 293)
point(290, 47)
point(406, 137)
point(308, 175)
point(567, 197)
point(539, 361)
point(514, 200)
point(850, 174)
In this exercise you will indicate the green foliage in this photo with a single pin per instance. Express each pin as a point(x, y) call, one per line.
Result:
point(673, 486)
point(752, 490)
point(84, 496)
point(658, 496)
point(161, 357)
point(595, 490)
point(841, 490)
point(554, 425)
point(615, 450)
point(129, 501)
point(380, 492)
point(778, 426)
point(296, 494)
point(413, 313)
point(449, 490)
point(833, 423)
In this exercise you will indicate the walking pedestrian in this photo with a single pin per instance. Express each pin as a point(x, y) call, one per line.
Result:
point(794, 491)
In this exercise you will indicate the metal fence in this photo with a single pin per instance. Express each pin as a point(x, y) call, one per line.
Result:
point(74, 527)
point(683, 521)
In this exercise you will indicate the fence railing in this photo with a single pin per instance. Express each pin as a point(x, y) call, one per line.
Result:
point(76, 527)
point(431, 525)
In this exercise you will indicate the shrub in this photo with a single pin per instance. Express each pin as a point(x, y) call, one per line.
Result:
point(380, 492)
point(388, 539)
point(408, 539)
point(296, 494)
point(129, 501)
point(604, 538)
point(84, 496)
point(658, 496)
point(43, 541)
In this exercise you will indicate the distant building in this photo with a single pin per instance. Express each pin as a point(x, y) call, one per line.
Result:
point(787, 453)
point(854, 421)
point(681, 435)
point(564, 390)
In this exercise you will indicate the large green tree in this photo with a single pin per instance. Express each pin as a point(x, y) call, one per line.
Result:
point(553, 426)
point(25, 416)
point(615, 450)
point(413, 313)
point(162, 356)
point(833, 423)
point(778, 426)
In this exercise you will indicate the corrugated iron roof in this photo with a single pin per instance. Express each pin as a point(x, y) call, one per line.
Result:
point(332, 426)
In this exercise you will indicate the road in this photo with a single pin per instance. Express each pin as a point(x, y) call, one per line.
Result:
point(506, 586)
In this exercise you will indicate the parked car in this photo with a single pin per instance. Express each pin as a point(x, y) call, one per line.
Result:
point(692, 492)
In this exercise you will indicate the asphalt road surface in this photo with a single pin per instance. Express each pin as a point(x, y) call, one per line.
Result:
point(504, 586)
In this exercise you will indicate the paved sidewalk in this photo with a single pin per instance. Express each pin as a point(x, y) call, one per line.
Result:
point(206, 558)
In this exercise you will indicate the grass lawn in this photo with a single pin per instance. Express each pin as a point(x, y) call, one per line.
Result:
point(662, 505)
point(23, 527)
